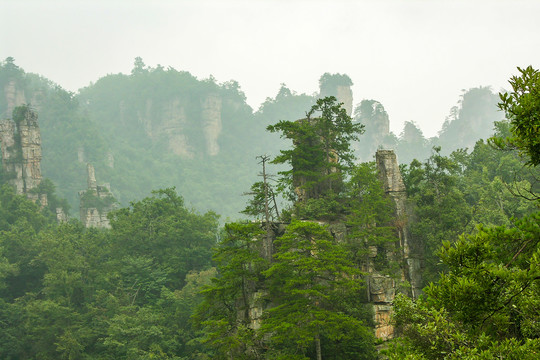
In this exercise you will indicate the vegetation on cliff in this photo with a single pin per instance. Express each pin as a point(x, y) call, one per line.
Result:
point(485, 303)
point(160, 127)
point(134, 291)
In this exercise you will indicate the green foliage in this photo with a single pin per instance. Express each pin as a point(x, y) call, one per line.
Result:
point(8, 72)
point(371, 219)
point(412, 144)
point(522, 107)
point(127, 125)
point(46, 186)
point(178, 239)
point(313, 285)
point(440, 206)
point(374, 117)
point(499, 187)
point(224, 313)
point(309, 300)
point(490, 273)
point(64, 130)
point(328, 207)
point(152, 120)
point(328, 83)
point(486, 306)
point(453, 194)
point(256, 206)
point(90, 199)
point(471, 119)
point(321, 150)
point(129, 292)
point(286, 105)
point(67, 292)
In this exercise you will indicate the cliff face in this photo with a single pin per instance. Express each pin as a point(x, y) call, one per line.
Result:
point(411, 250)
point(169, 126)
point(382, 289)
point(211, 121)
point(30, 138)
point(379, 123)
point(21, 151)
point(167, 121)
point(344, 95)
point(374, 117)
point(14, 97)
point(20, 139)
point(381, 293)
point(470, 120)
point(95, 202)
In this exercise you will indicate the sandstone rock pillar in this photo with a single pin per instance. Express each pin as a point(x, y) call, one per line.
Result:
point(95, 202)
point(410, 251)
point(344, 95)
point(21, 151)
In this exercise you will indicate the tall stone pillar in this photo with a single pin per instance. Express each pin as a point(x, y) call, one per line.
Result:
point(21, 151)
point(344, 95)
point(410, 251)
point(95, 202)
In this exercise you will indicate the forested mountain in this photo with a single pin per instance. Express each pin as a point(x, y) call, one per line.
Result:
point(150, 129)
point(484, 303)
point(166, 128)
point(315, 276)
point(471, 119)
point(64, 127)
point(160, 127)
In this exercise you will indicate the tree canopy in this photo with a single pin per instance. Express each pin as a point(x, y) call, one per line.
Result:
point(484, 305)
point(321, 150)
point(522, 107)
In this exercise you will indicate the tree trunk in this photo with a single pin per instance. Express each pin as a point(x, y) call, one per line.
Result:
point(318, 346)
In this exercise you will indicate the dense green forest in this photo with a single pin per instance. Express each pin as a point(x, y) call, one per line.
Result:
point(485, 302)
point(169, 282)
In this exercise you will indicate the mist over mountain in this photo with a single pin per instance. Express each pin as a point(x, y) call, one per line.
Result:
point(161, 127)
point(334, 257)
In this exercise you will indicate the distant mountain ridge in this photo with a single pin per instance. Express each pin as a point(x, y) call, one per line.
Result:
point(158, 127)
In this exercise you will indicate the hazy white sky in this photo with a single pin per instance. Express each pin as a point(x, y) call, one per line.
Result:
point(414, 56)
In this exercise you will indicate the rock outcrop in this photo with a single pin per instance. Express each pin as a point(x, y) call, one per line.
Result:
point(339, 86)
point(21, 152)
point(211, 121)
point(95, 202)
point(169, 123)
point(81, 155)
point(14, 96)
point(344, 95)
point(381, 293)
point(109, 160)
point(382, 289)
point(374, 117)
point(61, 216)
point(395, 188)
point(20, 143)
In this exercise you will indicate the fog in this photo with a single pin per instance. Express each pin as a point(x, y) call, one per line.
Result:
point(415, 57)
